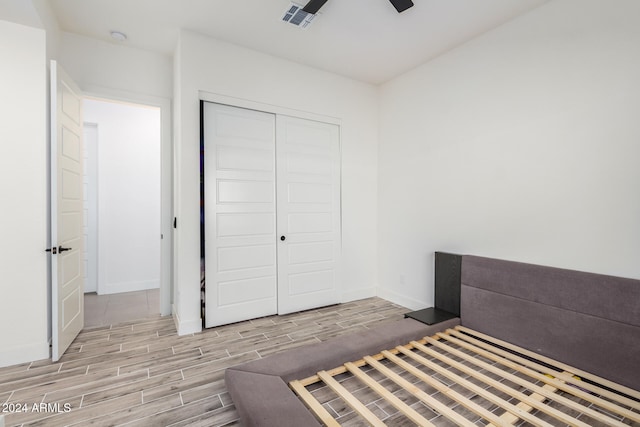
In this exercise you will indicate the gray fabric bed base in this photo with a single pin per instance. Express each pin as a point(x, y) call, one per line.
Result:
point(586, 320)
point(260, 390)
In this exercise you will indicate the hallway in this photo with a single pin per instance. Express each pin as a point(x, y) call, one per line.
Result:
point(102, 310)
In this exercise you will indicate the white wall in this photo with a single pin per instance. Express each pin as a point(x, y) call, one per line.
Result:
point(23, 186)
point(521, 144)
point(94, 63)
point(128, 195)
point(38, 14)
point(220, 68)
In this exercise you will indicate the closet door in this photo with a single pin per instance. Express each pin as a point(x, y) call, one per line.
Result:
point(308, 189)
point(240, 221)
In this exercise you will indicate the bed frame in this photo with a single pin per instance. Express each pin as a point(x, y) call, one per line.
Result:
point(545, 345)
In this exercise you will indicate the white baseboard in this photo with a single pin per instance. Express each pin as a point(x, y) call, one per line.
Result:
point(24, 354)
point(186, 327)
point(358, 294)
point(117, 288)
point(410, 303)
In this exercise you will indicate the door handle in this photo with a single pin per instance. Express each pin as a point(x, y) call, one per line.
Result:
point(61, 249)
point(282, 238)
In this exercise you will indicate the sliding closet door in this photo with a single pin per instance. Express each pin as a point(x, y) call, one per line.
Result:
point(240, 221)
point(308, 189)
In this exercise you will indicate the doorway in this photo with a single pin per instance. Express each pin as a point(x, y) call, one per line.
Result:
point(122, 211)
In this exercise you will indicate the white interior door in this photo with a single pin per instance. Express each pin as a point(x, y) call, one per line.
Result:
point(240, 224)
point(308, 221)
point(67, 288)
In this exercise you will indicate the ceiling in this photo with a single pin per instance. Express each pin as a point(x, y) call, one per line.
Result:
point(366, 40)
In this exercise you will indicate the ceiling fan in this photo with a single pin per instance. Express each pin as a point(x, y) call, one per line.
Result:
point(314, 5)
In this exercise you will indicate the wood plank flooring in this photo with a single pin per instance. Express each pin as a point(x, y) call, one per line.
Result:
point(143, 374)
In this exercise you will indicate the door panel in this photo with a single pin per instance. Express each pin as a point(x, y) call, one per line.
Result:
point(245, 191)
point(308, 164)
point(309, 193)
point(304, 253)
point(237, 292)
point(299, 223)
point(312, 282)
point(70, 267)
point(230, 259)
point(235, 158)
point(308, 196)
point(71, 305)
point(67, 288)
point(245, 224)
point(240, 229)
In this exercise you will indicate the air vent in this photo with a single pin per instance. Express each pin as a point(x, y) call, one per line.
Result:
point(298, 17)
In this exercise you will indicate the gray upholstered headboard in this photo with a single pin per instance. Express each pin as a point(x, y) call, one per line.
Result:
point(587, 320)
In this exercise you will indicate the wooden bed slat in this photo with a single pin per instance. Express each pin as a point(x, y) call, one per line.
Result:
point(359, 363)
point(446, 390)
point(355, 404)
point(511, 418)
point(489, 381)
point(313, 404)
point(587, 375)
point(555, 413)
point(424, 397)
point(409, 412)
point(515, 362)
point(567, 377)
point(449, 345)
point(533, 387)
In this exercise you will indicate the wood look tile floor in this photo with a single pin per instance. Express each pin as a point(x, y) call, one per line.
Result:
point(141, 373)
